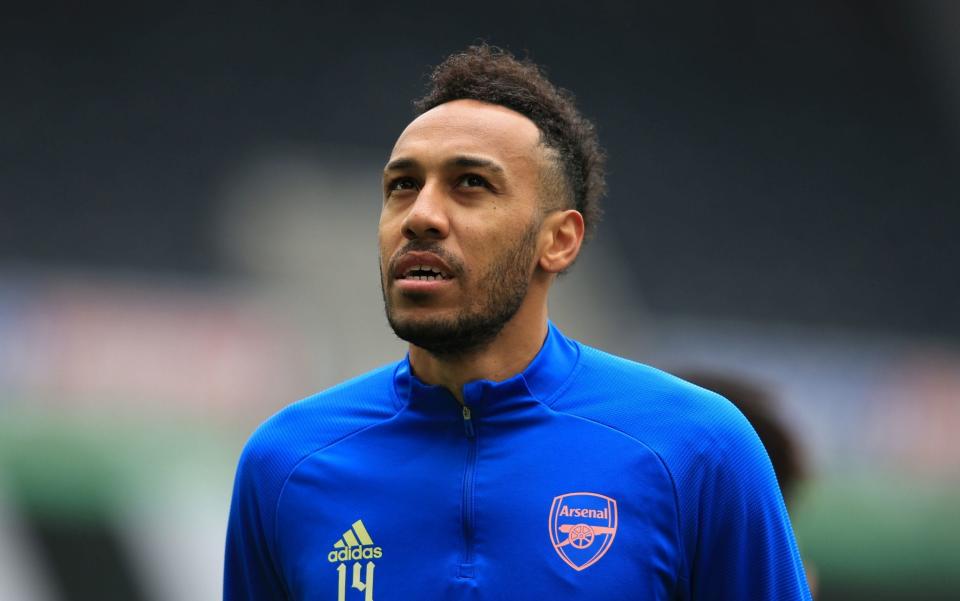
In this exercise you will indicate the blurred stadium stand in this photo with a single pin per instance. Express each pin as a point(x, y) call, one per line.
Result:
point(188, 203)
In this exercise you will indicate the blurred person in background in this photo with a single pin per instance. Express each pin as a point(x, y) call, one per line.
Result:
point(780, 441)
point(433, 477)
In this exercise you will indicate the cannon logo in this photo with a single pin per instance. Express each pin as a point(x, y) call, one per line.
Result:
point(582, 527)
point(355, 545)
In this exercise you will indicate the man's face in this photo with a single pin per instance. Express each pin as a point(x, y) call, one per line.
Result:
point(459, 226)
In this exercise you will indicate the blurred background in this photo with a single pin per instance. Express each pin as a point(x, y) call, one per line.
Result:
point(188, 207)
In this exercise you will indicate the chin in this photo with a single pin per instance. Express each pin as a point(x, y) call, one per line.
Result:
point(419, 318)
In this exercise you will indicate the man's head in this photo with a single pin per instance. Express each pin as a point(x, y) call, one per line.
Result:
point(575, 177)
point(487, 195)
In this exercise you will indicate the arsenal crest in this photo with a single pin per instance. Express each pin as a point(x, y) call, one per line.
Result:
point(582, 527)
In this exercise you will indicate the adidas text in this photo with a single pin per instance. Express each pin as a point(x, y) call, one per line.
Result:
point(355, 553)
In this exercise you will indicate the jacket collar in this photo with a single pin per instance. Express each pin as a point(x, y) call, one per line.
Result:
point(544, 377)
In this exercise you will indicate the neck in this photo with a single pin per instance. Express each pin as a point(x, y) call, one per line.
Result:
point(507, 355)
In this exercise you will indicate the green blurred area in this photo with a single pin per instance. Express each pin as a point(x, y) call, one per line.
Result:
point(83, 467)
point(875, 535)
point(883, 531)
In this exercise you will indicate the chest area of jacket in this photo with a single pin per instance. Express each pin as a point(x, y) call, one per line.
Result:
point(431, 508)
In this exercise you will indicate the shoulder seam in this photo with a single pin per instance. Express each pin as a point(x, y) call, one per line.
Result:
point(283, 487)
point(681, 574)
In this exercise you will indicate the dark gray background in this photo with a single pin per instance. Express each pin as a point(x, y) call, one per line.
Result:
point(768, 160)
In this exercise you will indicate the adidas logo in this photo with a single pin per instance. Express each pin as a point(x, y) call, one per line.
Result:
point(355, 544)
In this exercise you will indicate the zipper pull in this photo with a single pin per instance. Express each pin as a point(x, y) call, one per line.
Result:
point(468, 422)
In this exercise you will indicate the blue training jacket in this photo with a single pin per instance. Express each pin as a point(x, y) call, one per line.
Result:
point(586, 476)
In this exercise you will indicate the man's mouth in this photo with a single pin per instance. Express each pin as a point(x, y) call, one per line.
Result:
point(420, 266)
point(423, 272)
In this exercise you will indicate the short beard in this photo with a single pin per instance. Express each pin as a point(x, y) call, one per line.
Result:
point(502, 290)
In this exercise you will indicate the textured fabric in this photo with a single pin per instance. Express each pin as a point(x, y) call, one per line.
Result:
point(586, 476)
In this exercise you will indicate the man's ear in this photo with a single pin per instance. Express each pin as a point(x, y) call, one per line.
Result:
point(563, 234)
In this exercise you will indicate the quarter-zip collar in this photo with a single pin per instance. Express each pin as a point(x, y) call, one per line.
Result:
point(547, 374)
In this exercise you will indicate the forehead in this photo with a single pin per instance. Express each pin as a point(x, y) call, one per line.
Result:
point(472, 127)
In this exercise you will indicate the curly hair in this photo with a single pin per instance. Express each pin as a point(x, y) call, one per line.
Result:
point(490, 74)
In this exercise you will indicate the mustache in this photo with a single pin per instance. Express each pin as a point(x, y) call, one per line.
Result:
point(430, 246)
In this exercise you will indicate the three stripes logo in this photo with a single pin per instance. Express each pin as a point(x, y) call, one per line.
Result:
point(355, 545)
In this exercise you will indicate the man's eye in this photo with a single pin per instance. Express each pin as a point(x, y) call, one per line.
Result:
point(402, 183)
point(472, 181)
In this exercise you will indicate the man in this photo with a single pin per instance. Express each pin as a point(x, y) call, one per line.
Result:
point(500, 459)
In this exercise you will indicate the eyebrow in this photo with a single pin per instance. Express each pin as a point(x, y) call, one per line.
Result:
point(463, 160)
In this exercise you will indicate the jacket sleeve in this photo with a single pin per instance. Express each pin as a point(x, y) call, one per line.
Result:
point(744, 546)
point(250, 568)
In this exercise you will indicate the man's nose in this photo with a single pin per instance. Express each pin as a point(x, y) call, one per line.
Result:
point(427, 217)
